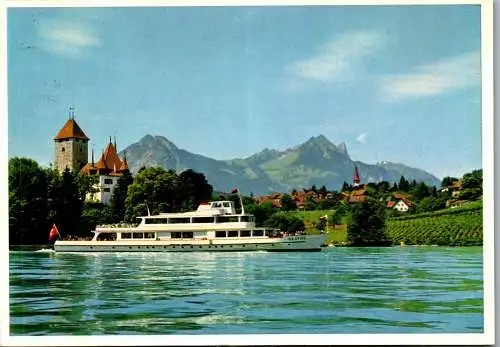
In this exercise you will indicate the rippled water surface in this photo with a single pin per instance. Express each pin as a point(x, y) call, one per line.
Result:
point(338, 290)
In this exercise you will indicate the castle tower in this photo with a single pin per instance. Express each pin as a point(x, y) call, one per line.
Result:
point(356, 179)
point(71, 146)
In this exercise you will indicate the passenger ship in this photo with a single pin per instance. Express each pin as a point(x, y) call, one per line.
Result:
point(214, 226)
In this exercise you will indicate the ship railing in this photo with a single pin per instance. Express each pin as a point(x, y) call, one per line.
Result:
point(118, 225)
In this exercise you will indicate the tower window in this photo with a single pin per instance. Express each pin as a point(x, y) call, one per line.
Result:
point(107, 190)
point(63, 149)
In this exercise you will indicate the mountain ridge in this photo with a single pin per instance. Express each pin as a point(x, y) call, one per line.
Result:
point(316, 161)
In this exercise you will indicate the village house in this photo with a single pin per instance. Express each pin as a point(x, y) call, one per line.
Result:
point(454, 188)
point(401, 202)
point(275, 198)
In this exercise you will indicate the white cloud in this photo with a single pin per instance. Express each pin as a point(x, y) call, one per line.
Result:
point(339, 58)
point(362, 137)
point(448, 75)
point(67, 39)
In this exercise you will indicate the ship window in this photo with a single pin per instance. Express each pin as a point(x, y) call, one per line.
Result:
point(149, 235)
point(126, 235)
point(245, 233)
point(106, 237)
point(245, 219)
point(175, 235)
point(203, 219)
point(258, 233)
point(187, 235)
point(138, 235)
point(232, 233)
point(220, 234)
point(225, 219)
point(156, 220)
point(178, 220)
point(108, 181)
point(226, 204)
point(216, 204)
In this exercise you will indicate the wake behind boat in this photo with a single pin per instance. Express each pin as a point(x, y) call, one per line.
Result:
point(214, 226)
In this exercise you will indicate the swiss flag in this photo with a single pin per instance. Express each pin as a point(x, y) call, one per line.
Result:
point(234, 190)
point(53, 232)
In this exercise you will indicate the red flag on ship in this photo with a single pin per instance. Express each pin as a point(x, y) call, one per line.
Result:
point(234, 190)
point(53, 232)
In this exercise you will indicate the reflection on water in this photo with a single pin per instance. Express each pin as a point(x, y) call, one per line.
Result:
point(338, 290)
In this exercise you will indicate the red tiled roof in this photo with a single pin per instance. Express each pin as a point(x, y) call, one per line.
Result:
point(124, 166)
point(401, 196)
point(71, 130)
point(358, 192)
point(390, 204)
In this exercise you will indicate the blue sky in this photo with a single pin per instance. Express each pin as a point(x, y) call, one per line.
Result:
point(396, 83)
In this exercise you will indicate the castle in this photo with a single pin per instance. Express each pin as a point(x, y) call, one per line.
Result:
point(71, 151)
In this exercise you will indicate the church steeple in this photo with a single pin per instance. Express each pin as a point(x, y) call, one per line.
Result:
point(356, 179)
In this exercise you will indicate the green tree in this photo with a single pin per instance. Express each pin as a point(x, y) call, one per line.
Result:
point(323, 191)
point(330, 202)
point(192, 189)
point(310, 204)
point(117, 203)
point(27, 202)
point(66, 203)
point(96, 213)
point(288, 203)
point(261, 212)
point(321, 225)
point(367, 225)
point(346, 187)
point(285, 222)
point(420, 191)
point(153, 188)
point(448, 181)
point(472, 185)
point(429, 204)
point(404, 185)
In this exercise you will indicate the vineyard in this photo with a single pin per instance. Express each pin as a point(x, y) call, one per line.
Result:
point(451, 227)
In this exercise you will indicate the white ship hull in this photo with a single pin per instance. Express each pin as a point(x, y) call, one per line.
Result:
point(291, 243)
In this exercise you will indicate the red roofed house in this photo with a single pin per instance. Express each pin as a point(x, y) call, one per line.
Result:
point(71, 146)
point(402, 204)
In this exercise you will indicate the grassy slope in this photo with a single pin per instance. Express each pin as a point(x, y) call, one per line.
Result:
point(454, 227)
point(336, 234)
point(458, 226)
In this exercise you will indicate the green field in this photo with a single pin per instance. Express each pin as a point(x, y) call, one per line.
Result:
point(451, 227)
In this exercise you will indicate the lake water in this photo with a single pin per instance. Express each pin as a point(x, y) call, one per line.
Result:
point(338, 290)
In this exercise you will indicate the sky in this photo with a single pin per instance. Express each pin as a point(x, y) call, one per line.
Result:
point(395, 83)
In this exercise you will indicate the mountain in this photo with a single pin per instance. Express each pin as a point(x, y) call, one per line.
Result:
point(314, 162)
